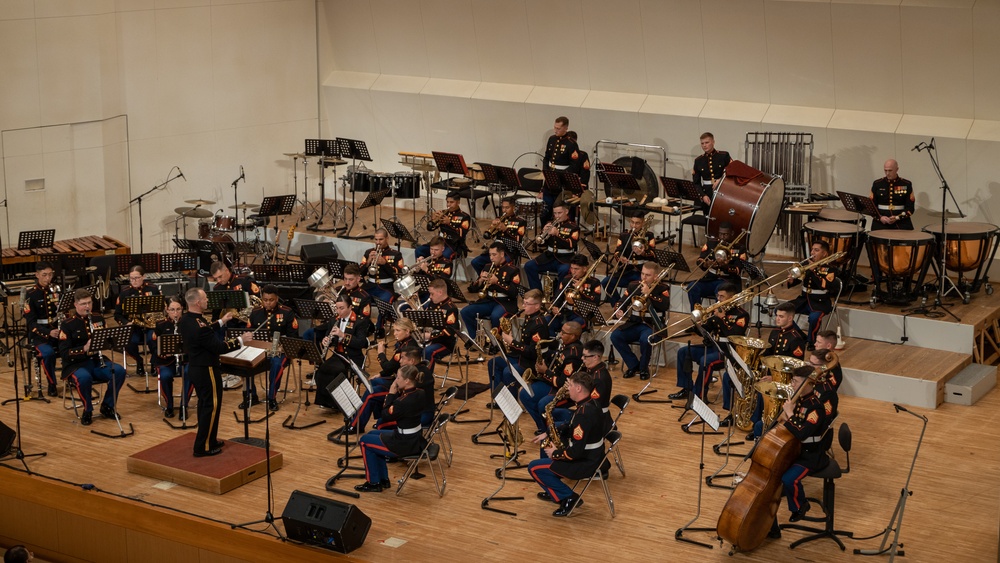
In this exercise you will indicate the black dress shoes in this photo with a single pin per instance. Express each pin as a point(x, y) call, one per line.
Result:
point(168, 413)
point(644, 375)
point(108, 412)
point(52, 391)
point(544, 495)
point(367, 487)
point(630, 373)
point(680, 395)
point(246, 404)
point(567, 505)
point(217, 445)
point(211, 452)
point(272, 405)
point(799, 514)
point(86, 418)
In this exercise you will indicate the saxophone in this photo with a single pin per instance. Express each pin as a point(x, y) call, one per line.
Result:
point(529, 374)
point(504, 328)
point(553, 439)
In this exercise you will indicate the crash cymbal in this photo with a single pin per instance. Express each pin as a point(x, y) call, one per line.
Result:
point(534, 176)
point(333, 161)
point(294, 154)
point(199, 201)
point(949, 214)
point(251, 206)
point(197, 213)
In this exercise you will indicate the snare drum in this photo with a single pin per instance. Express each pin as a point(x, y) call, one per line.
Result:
point(842, 216)
point(358, 179)
point(204, 230)
point(753, 206)
point(899, 261)
point(407, 184)
point(842, 237)
point(527, 207)
point(224, 224)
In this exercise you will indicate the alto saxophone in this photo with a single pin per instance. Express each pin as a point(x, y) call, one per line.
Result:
point(553, 439)
point(529, 374)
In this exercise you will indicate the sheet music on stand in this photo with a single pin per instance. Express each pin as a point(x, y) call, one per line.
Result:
point(345, 395)
point(585, 307)
point(704, 411)
point(731, 370)
point(568, 181)
point(113, 338)
point(309, 309)
point(859, 204)
point(451, 163)
point(258, 334)
point(517, 375)
point(32, 240)
point(454, 291)
point(169, 345)
point(336, 268)
point(507, 176)
point(138, 305)
point(397, 231)
point(66, 301)
point(514, 248)
point(228, 299)
point(277, 205)
point(508, 404)
point(425, 319)
point(604, 167)
point(666, 258)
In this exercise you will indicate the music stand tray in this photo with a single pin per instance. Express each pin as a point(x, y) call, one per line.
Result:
point(277, 205)
point(426, 319)
point(386, 312)
point(33, 240)
point(397, 231)
point(66, 301)
point(178, 262)
point(150, 262)
point(514, 248)
point(859, 204)
point(595, 251)
point(454, 291)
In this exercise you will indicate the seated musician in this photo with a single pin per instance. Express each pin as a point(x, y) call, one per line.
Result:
point(441, 342)
point(137, 286)
point(734, 321)
point(560, 239)
point(628, 257)
point(520, 353)
point(894, 198)
point(497, 287)
point(815, 299)
point(709, 169)
point(404, 404)
point(829, 387)
point(453, 225)
point(172, 365)
point(348, 340)
point(86, 367)
point(381, 264)
point(360, 302)
point(593, 363)
point(807, 420)
point(588, 289)
point(403, 331)
point(785, 340)
point(551, 371)
point(226, 281)
point(583, 447)
point(435, 265)
point(270, 318)
point(639, 324)
point(41, 316)
point(507, 225)
point(717, 270)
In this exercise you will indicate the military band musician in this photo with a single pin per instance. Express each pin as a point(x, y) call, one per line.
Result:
point(269, 318)
point(560, 239)
point(41, 316)
point(638, 324)
point(498, 287)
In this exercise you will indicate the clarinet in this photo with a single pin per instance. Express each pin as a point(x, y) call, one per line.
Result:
point(100, 356)
point(330, 336)
point(177, 356)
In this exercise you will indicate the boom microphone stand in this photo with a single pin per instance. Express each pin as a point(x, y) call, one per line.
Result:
point(16, 452)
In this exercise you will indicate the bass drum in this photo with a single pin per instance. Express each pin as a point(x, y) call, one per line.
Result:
point(750, 200)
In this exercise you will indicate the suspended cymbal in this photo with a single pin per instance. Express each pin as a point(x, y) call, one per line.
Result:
point(197, 213)
point(199, 201)
point(294, 155)
point(250, 206)
point(333, 161)
point(949, 214)
point(534, 176)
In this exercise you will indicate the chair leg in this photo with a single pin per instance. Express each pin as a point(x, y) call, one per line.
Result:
point(828, 530)
point(607, 495)
point(618, 460)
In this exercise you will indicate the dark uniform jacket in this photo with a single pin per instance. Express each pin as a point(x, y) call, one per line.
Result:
point(708, 169)
point(513, 228)
point(894, 198)
point(562, 245)
point(658, 304)
point(201, 340)
point(504, 291)
point(534, 329)
point(583, 438)
point(236, 283)
point(73, 335)
point(404, 409)
point(446, 336)
point(786, 342)
point(564, 362)
point(40, 311)
point(807, 424)
point(624, 249)
point(730, 271)
point(355, 339)
point(163, 327)
point(560, 153)
point(602, 392)
point(817, 285)
point(390, 365)
point(281, 320)
point(128, 291)
point(735, 323)
point(453, 229)
point(386, 273)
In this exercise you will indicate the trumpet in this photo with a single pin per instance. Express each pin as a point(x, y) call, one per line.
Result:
point(438, 216)
point(373, 265)
point(497, 228)
point(418, 265)
point(542, 238)
point(485, 280)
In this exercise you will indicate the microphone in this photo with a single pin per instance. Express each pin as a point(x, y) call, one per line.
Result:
point(242, 175)
point(22, 298)
point(918, 148)
point(181, 174)
point(899, 408)
point(274, 343)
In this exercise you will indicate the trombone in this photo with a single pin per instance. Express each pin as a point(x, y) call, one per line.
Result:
point(722, 253)
point(638, 302)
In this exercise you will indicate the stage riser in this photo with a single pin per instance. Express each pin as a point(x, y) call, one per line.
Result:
point(892, 388)
point(921, 332)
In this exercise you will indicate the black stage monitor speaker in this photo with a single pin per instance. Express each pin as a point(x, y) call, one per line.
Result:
point(6, 438)
point(325, 522)
point(319, 253)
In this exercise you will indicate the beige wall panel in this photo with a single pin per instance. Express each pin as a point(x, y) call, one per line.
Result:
point(91, 541)
point(137, 36)
point(71, 8)
point(986, 71)
point(674, 48)
point(599, 124)
point(450, 34)
point(800, 53)
point(351, 32)
point(116, 194)
point(289, 61)
point(240, 80)
point(501, 131)
point(400, 38)
point(112, 89)
point(735, 50)
point(609, 39)
point(167, 4)
point(22, 142)
point(351, 113)
point(449, 126)
point(19, 66)
point(17, 10)
point(27, 521)
point(867, 62)
point(134, 5)
point(729, 135)
point(185, 85)
point(856, 157)
point(937, 66)
point(82, 188)
point(550, 24)
point(983, 194)
point(502, 44)
point(30, 206)
point(398, 127)
point(916, 167)
point(679, 135)
point(69, 69)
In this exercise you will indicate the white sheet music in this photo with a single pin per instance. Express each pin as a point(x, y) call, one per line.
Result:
point(517, 376)
point(731, 374)
point(508, 404)
point(347, 398)
point(248, 353)
point(705, 412)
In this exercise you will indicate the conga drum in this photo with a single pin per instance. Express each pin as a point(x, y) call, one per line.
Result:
point(749, 200)
point(899, 261)
point(968, 247)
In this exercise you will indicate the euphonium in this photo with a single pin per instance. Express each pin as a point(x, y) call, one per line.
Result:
point(553, 439)
point(149, 320)
point(749, 349)
point(780, 369)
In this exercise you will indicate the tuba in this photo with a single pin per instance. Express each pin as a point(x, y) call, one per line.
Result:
point(749, 349)
point(779, 389)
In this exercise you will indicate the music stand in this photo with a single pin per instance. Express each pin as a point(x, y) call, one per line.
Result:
point(136, 306)
point(397, 231)
point(859, 204)
point(515, 250)
point(709, 418)
point(511, 411)
point(179, 262)
point(323, 148)
point(450, 163)
point(299, 349)
point(586, 308)
point(227, 299)
point(454, 291)
point(34, 240)
point(112, 339)
point(731, 367)
point(667, 258)
point(593, 249)
point(348, 401)
point(150, 262)
point(386, 312)
point(273, 206)
point(336, 268)
point(622, 181)
point(170, 345)
point(373, 199)
point(281, 273)
point(565, 181)
point(66, 301)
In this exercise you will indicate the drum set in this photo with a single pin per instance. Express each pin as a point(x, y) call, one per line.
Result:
point(220, 227)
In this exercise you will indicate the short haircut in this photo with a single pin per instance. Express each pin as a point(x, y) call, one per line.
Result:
point(534, 294)
point(381, 231)
point(562, 204)
point(828, 334)
point(729, 287)
point(499, 245)
point(269, 289)
point(43, 265)
point(652, 266)
point(344, 299)
point(786, 307)
point(822, 244)
point(563, 120)
point(594, 346)
point(571, 135)
point(352, 270)
point(454, 196)
point(138, 269)
point(584, 379)
point(438, 284)
point(217, 267)
point(579, 260)
point(17, 554)
point(511, 200)
point(81, 294)
point(706, 135)
point(413, 353)
point(726, 225)
point(193, 294)
point(437, 241)
point(573, 327)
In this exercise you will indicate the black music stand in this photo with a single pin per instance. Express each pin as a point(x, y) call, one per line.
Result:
point(565, 181)
point(227, 299)
point(348, 401)
point(66, 301)
point(708, 418)
point(273, 206)
point(150, 262)
point(281, 273)
point(298, 349)
point(515, 250)
point(336, 268)
point(450, 163)
point(859, 204)
point(323, 148)
point(397, 231)
point(595, 251)
point(179, 262)
point(112, 339)
point(511, 412)
point(374, 200)
point(586, 308)
point(136, 306)
point(170, 345)
point(689, 190)
point(36, 240)
point(668, 258)
point(386, 312)
point(454, 291)
point(320, 310)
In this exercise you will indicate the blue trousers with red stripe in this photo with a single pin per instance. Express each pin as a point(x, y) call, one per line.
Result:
point(532, 405)
point(435, 351)
point(705, 356)
point(550, 481)
point(791, 482)
point(91, 372)
point(815, 317)
point(371, 404)
point(500, 374)
point(375, 453)
point(166, 375)
point(48, 355)
point(278, 364)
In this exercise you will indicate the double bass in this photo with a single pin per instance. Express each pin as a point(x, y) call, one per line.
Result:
point(748, 514)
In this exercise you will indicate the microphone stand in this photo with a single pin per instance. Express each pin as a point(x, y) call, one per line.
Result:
point(236, 201)
point(16, 452)
point(138, 199)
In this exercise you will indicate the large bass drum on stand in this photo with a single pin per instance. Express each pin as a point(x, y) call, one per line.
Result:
point(749, 200)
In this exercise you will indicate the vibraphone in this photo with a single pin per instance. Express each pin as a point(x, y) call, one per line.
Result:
point(90, 246)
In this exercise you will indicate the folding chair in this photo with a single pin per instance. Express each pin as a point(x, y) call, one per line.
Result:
point(613, 437)
point(620, 401)
point(431, 453)
point(445, 398)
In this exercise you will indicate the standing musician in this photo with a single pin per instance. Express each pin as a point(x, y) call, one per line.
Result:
point(348, 338)
point(588, 289)
point(717, 271)
point(441, 342)
point(641, 323)
point(521, 353)
point(733, 321)
point(226, 281)
point(83, 366)
point(381, 264)
point(807, 420)
point(709, 169)
point(817, 284)
point(361, 302)
point(583, 437)
point(507, 225)
point(404, 405)
point(41, 315)
point(628, 257)
point(167, 366)
point(894, 198)
point(551, 371)
point(497, 287)
point(560, 239)
point(453, 225)
point(137, 286)
point(203, 344)
point(271, 317)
